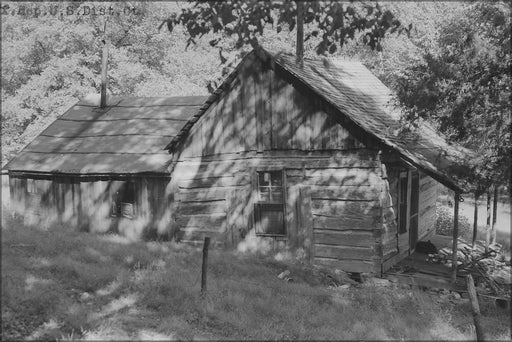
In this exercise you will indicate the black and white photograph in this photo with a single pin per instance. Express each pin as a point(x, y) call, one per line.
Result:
point(256, 170)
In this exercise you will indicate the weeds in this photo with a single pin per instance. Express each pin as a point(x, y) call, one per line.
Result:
point(62, 284)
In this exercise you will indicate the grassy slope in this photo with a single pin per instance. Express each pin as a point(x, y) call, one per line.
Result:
point(62, 284)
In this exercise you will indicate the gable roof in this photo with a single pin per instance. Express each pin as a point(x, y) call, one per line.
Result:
point(362, 99)
point(128, 136)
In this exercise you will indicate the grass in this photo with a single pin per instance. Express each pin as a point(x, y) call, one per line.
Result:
point(61, 284)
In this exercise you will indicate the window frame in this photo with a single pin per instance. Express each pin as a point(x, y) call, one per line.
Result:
point(260, 203)
point(118, 200)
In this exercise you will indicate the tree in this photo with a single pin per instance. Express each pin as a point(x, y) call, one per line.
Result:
point(332, 23)
point(463, 87)
point(50, 62)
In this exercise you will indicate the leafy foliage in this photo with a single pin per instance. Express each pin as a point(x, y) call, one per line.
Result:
point(444, 222)
point(463, 86)
point(333, 22)
point(50, 62)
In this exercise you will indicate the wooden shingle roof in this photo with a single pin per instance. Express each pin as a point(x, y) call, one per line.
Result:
point(126, 137)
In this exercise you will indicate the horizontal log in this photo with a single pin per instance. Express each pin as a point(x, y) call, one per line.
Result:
point(344, 208)
point(197, 208)
point(347, 222)
point(360, 266)
point(339, 177)
point(366, 193)
point(224, 181)
point(344, 238)
point(203, 194)
point(212, 221)
point(343, 252)
point(354, 155)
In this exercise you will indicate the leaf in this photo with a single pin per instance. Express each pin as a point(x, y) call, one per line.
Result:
point(332, 48)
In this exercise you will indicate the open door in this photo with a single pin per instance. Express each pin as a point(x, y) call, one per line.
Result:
point(408, 198)
point(403, 211)
point(413, 220)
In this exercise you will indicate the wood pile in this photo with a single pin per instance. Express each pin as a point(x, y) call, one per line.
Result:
point(492, 274)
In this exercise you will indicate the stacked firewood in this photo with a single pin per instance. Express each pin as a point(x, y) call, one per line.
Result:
point(488, 268)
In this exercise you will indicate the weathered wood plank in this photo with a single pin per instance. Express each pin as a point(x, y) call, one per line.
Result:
point(305, 232)
point(251, 125)
point(345, 208)
point(341, 177)
point(234, 126)
point(220, 126)
point(228, 180)
point(318, 123)
point(346, 222)
point(346, 193)
point(338, 156)
point(280, 125)
point(302, 138)
point(203, 194)
point(344, 238)
point(348, 265)
point(265, 110)
point(195, 208)
point(209, 221)
point(343, 252)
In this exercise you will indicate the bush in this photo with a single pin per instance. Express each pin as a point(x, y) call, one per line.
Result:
point(444, 221)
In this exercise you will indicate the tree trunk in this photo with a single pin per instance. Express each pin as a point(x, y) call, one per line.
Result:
point(300, 31)
point(475, 221)
point(494, 212)
point(488, 222)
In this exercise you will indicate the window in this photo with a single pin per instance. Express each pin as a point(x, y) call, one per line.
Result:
point(31, 186)
point(269, 210)
point(124, 201)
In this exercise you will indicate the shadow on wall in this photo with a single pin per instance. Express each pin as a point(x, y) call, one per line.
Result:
point(94, 205)
point(216, 182)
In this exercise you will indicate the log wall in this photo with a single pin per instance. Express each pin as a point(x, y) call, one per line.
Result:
point(86, 203)
point(332, 208)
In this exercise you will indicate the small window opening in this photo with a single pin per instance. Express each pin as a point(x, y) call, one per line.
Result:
point(269, 210)
point(31, 186)
point(124, 201)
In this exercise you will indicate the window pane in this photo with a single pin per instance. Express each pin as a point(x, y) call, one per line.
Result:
point(276, 178)
point(264, 194)
point(269, 219)
point(263, 179)
point(276, 195)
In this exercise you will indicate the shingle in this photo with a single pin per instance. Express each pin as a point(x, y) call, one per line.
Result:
point(127, 137)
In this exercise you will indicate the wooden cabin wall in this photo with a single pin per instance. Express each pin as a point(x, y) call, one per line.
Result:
point(332, 204)
point(262, 112)
point(86, 203)
point(427, 206)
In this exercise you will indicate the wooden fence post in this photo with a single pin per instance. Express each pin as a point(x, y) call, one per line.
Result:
point(475, 308)
point(204, 268)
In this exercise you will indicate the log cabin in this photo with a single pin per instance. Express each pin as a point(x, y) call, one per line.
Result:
point(310, 158)
point(301, 157)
